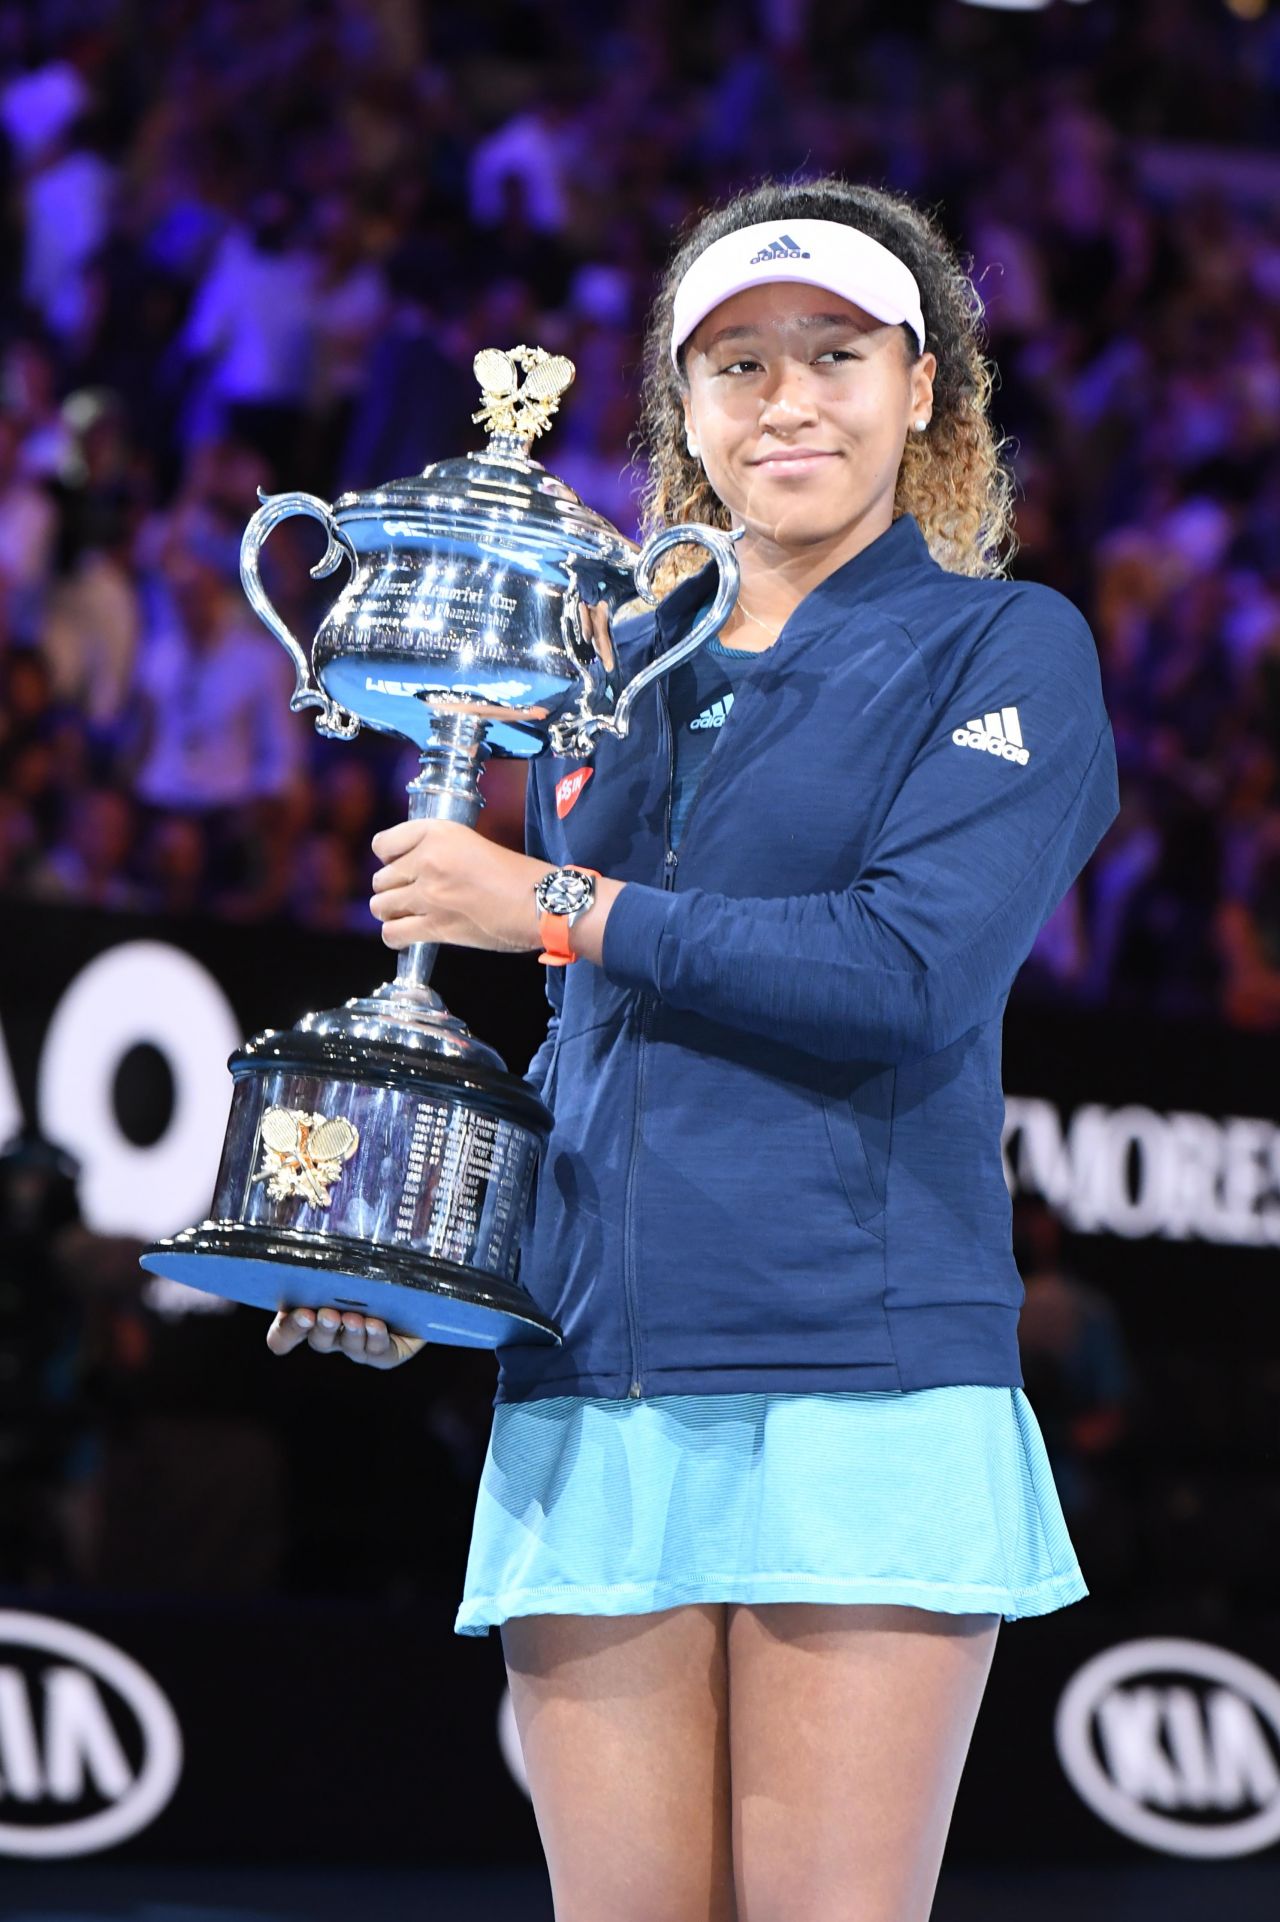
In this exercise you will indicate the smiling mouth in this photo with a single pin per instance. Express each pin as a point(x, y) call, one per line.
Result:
point(803, 457)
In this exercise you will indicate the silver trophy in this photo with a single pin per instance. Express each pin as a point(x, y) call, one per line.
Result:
point(379, 1157)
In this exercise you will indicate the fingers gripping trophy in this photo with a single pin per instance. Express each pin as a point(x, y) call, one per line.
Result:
point(379, 1157)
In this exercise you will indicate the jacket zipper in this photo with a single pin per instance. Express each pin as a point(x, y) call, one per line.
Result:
point(669, 863)
point(672, 857)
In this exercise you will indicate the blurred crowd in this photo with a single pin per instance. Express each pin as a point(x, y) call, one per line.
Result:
point(258, 245)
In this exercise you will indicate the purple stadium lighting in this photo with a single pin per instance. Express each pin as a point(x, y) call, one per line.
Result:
point(1017, 6)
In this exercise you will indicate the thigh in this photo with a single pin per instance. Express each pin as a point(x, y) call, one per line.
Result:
point(849, 1731)
point(623, 1721)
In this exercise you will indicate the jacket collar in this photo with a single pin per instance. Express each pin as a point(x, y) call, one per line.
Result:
point(899, 551)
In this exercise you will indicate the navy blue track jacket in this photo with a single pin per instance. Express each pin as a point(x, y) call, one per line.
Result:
point(775, 1163)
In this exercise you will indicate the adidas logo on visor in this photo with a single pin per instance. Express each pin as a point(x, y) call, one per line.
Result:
point(996, 733)
point(784, 248)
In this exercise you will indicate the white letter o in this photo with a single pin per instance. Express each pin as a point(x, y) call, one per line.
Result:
point(141, 991)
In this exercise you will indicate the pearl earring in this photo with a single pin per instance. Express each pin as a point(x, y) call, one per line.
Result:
point(692, 445)
point(920, 426)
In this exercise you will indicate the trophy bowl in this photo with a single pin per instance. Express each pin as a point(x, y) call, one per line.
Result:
point(378, 1156)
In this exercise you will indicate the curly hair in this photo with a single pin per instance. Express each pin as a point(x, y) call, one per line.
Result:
point(951, 477)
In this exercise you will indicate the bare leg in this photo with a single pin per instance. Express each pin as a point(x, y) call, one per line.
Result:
point(850, 1730)
point(624, 1725)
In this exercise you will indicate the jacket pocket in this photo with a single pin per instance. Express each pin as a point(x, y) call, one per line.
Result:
point(849, 1153)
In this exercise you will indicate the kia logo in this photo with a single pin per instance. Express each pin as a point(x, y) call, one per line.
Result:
point(90, 1750)
point(1176, 1744)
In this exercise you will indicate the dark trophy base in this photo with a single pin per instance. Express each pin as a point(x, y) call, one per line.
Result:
point(440, 1300)
point(373, 1175)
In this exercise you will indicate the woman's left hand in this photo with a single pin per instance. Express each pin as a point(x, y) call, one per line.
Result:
point(441, 881)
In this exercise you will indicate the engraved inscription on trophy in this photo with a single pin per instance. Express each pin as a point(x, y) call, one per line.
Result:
point(425, 1144)
point(302, 1154)
point(430, 601)
point(485, 1178)
point(461, 1183)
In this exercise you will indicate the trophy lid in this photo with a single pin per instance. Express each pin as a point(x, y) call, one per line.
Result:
point(499, 495)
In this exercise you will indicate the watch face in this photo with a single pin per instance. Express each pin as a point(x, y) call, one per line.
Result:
point(566, 891)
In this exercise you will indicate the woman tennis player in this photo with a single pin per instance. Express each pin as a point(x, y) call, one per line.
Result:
point(750, 1532)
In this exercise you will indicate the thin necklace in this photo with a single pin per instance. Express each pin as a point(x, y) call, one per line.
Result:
point(772, 632)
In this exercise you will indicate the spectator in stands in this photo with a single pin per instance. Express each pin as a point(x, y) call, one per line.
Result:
point(89, 634)
point(538, 148)
point(173, 864)
point(1165, 958)
point(325, 882)
point(250, 334)
point(90, 861)
point(42, 761)
point(68, 194)
point(413, 406)
point(347, 312)
point(1248, 934)
point(216, 736)
point(28, 529)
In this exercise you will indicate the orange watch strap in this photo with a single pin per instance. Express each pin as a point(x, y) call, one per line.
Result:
point(553, 929)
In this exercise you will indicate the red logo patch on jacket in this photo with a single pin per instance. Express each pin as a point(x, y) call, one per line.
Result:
point(568, 789)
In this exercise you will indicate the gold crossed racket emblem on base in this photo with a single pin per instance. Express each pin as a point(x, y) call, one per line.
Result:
point(302, 1153)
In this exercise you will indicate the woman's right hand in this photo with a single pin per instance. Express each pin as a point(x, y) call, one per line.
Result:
point(333, 1331)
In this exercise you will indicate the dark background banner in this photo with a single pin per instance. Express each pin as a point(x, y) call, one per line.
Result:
point(280, 1545)
point(1157, 1141)
point(349, 1733)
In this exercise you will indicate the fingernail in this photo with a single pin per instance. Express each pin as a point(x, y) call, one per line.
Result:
point(328, 1321)
point(302, 1318)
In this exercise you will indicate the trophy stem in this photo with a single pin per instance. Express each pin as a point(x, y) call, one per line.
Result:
point(447, 788)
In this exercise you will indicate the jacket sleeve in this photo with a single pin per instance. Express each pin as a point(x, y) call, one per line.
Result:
point(974, 852)
point(536, 1073)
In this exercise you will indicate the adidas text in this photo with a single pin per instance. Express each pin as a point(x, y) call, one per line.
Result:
point(996, 733)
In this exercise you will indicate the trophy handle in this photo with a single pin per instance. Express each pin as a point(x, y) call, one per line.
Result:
point(573, 735)
point(307, 691)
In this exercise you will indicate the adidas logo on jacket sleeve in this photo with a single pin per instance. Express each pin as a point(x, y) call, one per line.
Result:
point(999, 732)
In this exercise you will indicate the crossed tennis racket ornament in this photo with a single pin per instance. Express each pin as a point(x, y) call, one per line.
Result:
point(302, 1154)
point(512, 406)
point(379, 1156)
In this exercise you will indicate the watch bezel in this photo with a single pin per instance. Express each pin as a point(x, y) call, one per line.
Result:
point(560, 875)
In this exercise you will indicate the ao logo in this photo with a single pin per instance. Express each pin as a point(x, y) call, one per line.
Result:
point(90, 1750)
point(1177, 1744)
point(138, 992)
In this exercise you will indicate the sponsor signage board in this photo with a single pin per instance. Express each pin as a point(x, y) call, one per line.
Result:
point(90, 1747)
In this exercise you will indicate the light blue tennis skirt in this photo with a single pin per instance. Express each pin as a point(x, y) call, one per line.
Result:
point(941, 1498)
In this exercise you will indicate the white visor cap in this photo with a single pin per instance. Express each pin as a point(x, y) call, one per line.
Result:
point(819, 253)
